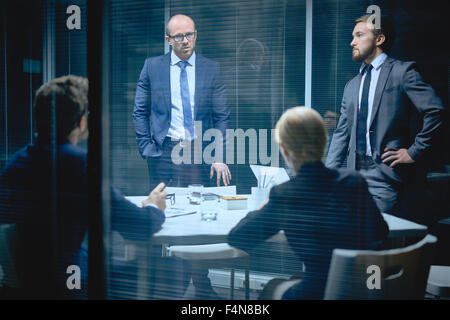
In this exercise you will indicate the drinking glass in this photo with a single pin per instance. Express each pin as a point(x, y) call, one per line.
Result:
point(195, 192)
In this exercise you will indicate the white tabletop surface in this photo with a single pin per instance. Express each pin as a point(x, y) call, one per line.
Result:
point(191, 230)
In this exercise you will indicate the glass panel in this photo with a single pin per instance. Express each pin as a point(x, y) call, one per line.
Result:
point(250, 40)
point(260, 46)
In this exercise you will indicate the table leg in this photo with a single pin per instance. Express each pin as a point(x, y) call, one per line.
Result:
point(247, 284)
point(232, 284)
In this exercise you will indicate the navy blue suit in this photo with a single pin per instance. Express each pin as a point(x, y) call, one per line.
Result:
point(152, 107)
point(49, 205)
point(319, 210)
point(152, 116)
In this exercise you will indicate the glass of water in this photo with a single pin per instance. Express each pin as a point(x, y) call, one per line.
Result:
point(195, 192)
point(209, 209)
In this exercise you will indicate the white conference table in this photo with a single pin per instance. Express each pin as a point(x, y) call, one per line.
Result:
point(191, 230)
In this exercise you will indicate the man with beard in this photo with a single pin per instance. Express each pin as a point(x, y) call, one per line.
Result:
point(389, 120)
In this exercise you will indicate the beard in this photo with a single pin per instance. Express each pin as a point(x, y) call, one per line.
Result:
point(359, 55)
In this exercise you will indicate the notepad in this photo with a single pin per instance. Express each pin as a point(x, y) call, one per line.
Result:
point(269, 176)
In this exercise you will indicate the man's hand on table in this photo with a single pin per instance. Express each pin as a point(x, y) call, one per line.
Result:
point(222, 171)
point(157, 197)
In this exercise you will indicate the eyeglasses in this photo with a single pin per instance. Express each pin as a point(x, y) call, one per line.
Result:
point(180, 37)
point(171, 197)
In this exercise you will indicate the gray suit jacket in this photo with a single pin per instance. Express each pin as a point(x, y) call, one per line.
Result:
point(406, 113)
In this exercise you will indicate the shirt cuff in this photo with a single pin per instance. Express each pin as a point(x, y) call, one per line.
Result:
point(152, 205)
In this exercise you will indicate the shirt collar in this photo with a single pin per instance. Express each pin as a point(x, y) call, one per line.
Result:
point(376, 63)
point(174, 59)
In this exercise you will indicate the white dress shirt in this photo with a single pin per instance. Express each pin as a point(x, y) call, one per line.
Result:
point(176, 129)
point(376, 64)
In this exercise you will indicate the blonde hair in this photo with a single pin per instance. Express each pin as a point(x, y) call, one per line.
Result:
point(301, 131)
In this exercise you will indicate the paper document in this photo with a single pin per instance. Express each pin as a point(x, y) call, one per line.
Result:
point(269, 176)
point(176, 212)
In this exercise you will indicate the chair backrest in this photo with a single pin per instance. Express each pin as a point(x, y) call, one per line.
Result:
point(389, 274)
point(7, 245)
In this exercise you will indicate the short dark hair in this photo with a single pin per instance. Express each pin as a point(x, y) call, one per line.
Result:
point(59, 106)
point(386, 28)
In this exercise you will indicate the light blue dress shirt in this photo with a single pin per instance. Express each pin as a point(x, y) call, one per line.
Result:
point(376, 64)
point(176, 129)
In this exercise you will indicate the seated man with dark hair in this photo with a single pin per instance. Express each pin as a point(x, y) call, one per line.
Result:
point(319, 209)
point(43, 191)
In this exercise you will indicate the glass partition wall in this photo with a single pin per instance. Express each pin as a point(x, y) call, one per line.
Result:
point(273, 55)
point(250, 40)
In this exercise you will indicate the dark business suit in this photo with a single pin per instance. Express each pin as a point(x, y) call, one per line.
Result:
point(152, 119)
point(406, 114)
point(49, 205)
point(152, 108)
point(319, 210)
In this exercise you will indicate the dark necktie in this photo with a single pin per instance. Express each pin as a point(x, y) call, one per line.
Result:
point(186, 100)
point(361, 130)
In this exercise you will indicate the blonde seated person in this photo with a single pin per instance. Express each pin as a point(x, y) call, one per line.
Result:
point(320, 209)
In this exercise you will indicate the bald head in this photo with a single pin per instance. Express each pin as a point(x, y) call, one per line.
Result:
point(183, 27)
point(177, 20)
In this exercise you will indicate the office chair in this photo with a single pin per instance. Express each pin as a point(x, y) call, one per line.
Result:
point(439, 278)
point(389, 274)
point(439, 282)
point(220, 255)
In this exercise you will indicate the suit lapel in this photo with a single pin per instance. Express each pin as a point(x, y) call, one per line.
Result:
point(199, 80)
point(382, 79)
point(165, 79)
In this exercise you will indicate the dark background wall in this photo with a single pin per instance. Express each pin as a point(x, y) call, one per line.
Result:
point(267, 33)
point(20, 39)
point(421, 36)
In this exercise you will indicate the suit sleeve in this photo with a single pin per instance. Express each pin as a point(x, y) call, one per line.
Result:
point(428, 104)
point(132, 222)
point(337, 152)
point(142, 111)
point(221, 109)
point(257, 226)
